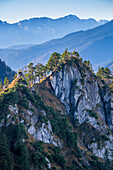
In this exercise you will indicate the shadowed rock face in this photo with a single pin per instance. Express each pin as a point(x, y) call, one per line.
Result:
point(86, 99)
point(81, 93)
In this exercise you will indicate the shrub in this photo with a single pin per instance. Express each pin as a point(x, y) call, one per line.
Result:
point(93, 114)
point(39, 160)
point(38, 145)
point(77, 153)
point(75, 82)
point(104, 138)
point(58, 157)
point(24, 103)
point(82, 81)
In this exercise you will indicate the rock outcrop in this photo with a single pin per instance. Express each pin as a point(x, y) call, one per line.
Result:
point(86, 99)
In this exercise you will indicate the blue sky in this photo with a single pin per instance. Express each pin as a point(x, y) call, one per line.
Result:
point(15, 10)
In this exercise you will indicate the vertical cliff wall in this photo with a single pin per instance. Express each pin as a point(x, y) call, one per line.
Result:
point(86, 99)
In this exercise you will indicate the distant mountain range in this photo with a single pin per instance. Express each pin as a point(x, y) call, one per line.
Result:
point(39, 30)
point(95, 44)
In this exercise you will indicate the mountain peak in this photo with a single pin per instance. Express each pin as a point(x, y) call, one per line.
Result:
point(62, 122)
point(70, 16)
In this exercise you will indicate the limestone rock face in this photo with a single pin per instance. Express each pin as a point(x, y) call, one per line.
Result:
point(62, 83)
point(40, 131)
point(81, 94)
point(13, 109)
point(86, 100)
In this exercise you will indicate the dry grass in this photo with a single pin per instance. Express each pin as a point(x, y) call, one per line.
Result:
point(11, 85)
point(47, 95)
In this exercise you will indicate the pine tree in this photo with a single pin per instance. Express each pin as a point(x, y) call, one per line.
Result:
point(6, 81)
point(107, 72)
point(15, 76)
point(20, 148)
point(1, 86)
point(104, 73)
point(31, 71)
point(39, 71)
point(75, 53)
point(53, 61)
point(65, 54)
point(5, 156)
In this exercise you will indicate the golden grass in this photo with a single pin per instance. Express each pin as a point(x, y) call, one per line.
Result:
point(47, 95)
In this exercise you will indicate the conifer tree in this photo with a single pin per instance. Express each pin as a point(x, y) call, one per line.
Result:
point(104, 73)
point(15, 76)
point(6, 81)
point(1, 86)
point(20, 148)
point(39, 71)
point(31, 71)
point(5, 156)
point(53, 61)
point(65, 54)
point(75, 53)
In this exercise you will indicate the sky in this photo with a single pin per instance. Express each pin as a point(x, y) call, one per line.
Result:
point(16, 10)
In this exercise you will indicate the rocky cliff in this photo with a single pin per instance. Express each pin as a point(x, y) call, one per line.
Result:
point(87, 100)
point(70, 112)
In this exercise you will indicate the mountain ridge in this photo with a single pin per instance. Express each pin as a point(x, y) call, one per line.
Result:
point(81, 41)
point(39, 30)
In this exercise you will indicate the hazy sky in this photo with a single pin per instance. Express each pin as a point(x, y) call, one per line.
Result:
point(15, 10)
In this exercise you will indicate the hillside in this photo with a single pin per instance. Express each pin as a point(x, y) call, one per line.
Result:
point(39, 30)
point(5, 71)
point(87, 43)
point(63, 122)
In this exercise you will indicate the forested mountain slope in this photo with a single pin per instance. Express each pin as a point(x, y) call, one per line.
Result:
point(63, 122)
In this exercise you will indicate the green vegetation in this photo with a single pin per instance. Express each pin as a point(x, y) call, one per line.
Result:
point(104, 73)
point(20, 148)
point(15, 75)
point(65, 55)
point(11, 97)
point(111, 86)
point(88, 64)
point(61, 128)
point(24, 103)
point(104, 138)
point(20, 155)
point(39, 71)
point(1, 86)
point(38, 157)
point(82, 81)
point(6, 99)
point(5, 155)
point(60, 124)
point(6, 81)
point(58, 158)
point(93, 114)
point(53, 61)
